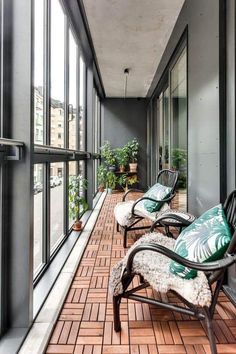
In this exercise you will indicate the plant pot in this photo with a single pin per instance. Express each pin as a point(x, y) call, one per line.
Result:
point(101, 189)
point(109, 191)
point(112, 168)
point(77, 226)
point(133, 167)
point(122, 168)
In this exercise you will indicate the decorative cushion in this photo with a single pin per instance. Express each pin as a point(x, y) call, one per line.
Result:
point(155, 268)
point(205, 240)
point(158, 192)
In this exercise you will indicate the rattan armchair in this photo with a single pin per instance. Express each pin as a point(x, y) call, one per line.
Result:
point(200, 304)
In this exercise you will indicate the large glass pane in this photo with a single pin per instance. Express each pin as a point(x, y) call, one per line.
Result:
point(38, 216)
point(160, 133)
point(72, 92)
point(72, 172)
point(179, 125)
point(57, 74)
point(166, 126)
point(56, 203)
point(38, 71)
point(82, 96)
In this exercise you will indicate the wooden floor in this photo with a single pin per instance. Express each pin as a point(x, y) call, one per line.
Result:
point(85, 325)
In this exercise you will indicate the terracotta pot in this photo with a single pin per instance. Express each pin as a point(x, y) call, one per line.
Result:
point(122, 168)
point(133, 167)
point(77, 226)
point(101, 189)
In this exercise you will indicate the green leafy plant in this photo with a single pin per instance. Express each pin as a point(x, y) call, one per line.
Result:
point(122, 156)
point(122, 180)
point(133, 149)
point(108, 154)
point(77, 202)
point(111, 180)
point(132, 180)
point(179, 162)
point(102, 175)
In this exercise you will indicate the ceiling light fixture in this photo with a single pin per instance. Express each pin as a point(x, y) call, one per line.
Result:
point(126, 73)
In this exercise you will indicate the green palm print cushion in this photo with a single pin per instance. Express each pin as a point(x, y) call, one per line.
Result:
point(205, 240)
point(158, 192)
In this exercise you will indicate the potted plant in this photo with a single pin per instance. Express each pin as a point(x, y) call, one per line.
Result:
point(77, 202)
point(122, 157)
point(108, 155)
point(133, 149)
point(125, 181)
point(102, 177)
point(111, 181)
point(122, 181)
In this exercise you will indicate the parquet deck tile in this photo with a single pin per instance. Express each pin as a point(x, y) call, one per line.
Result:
point(85, 324)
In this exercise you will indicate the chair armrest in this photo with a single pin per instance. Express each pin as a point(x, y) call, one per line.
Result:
point(166, 200)
point(131, 190)
point(205, 267)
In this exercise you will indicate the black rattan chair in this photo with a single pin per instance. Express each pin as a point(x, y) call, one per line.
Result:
point(165, 177)
point(214, 271)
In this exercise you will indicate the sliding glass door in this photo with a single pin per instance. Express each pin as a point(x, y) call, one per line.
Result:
point(172, 127)
point(178, 110)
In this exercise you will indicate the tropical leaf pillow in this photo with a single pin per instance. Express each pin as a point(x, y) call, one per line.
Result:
point(205, 240)
point(158, 192)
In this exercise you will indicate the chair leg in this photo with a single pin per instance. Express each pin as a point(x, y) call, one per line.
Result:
point(210, 332)
point(125, 237)
point(116, 313)
point(117, 227)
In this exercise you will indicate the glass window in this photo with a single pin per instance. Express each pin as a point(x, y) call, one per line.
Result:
point(38, 216)
point(38, 71)
point(179, 125)
point(72, 92)
point(57, 54)
point(56, 203)
point(82, 95)
point(73, 166)
point(166, 126)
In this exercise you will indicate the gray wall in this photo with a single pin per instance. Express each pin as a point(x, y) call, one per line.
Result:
point(122, 120)
point(202, 19)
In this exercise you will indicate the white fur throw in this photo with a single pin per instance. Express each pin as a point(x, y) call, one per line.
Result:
point(154, 267)
point(124, 216)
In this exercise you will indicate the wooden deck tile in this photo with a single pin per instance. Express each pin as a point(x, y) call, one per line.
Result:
point(85, 324)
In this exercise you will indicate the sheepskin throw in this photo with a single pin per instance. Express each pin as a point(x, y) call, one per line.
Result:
point(124, 216)
point(154, 268)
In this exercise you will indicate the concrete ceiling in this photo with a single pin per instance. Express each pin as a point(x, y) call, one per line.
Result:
point(130, 34)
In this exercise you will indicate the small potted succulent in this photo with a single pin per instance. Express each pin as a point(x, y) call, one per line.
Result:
point(133, 149)
point(111, 181)
point(102, 177)
point(108, 155)
point(122, 157)
point(77, 202)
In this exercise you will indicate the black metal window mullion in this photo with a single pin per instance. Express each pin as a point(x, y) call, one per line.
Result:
point(47, 131)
